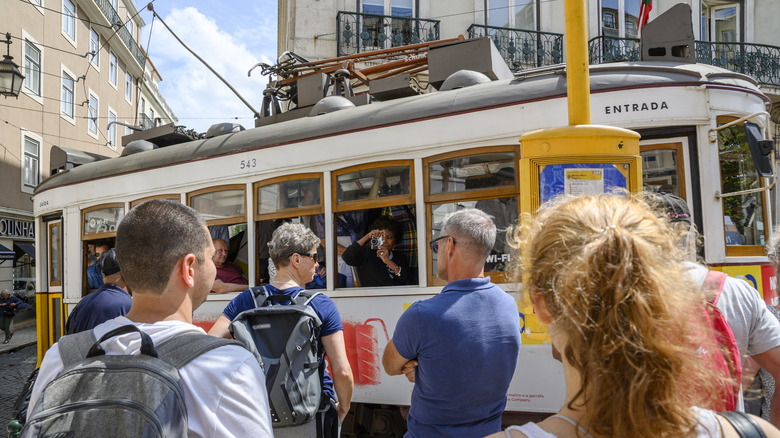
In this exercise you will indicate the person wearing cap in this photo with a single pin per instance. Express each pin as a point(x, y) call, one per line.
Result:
point(755, 329)
point(8, 306)
point(109, 301)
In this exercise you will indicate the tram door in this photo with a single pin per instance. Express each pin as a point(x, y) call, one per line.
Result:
point(49, 310)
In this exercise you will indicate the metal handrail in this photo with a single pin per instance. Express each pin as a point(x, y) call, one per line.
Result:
point(358, 32)
point(522, 49)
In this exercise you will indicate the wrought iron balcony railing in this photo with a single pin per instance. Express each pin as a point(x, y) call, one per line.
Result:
point(123, 34)
point(522, 49)
point(357, 32)
point(760, 61)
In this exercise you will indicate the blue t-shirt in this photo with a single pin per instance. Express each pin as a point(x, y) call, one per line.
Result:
point(323, 306)
point(467, 341)
point(106, 303)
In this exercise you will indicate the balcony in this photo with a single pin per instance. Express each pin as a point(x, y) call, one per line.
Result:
point(759, 61)
point(145, 122)
point(357, 33)
point(522, 49)
point(122, 33)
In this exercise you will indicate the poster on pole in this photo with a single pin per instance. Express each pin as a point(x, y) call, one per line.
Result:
point(579, 179)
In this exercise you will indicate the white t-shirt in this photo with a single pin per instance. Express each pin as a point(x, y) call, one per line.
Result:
point(223, 389)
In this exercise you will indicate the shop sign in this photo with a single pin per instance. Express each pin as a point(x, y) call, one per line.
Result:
point(17, 228)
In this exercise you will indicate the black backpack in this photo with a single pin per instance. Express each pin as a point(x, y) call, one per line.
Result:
point(281, 332)
point(125, 395)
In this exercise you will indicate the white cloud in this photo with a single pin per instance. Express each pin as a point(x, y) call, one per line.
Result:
point(197, 97)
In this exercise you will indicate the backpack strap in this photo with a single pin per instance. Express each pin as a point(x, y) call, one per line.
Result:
point(74, 348)
point(745, 425)
point(180, 350)
point(304, 297)
point(260, 294)
point(713, 285)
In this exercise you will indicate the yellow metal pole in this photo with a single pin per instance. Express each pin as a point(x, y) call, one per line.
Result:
point(577, 75)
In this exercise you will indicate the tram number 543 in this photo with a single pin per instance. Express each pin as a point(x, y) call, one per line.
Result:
point(248, 164)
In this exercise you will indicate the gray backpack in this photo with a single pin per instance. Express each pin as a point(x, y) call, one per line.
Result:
point(129, 395)
point(281, 332)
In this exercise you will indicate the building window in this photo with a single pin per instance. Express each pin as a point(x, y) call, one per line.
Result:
point(128, 87)
point(92, 123)
point(30, 172)
point(68, 89)
point(32, 68)
point(37, 2)
point(111, 129)
point(112, 68)
point(129, 25)
point(151, 116)
point(94, 47)
point(115, 4)
point(516, 14)
point(720, 22)
point(69, 19)
point(620, 18)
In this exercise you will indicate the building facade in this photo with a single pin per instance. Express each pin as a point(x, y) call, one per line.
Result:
point(737, 35)
point(83, 70)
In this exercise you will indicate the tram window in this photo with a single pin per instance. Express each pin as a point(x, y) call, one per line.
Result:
point(231, 257)
point(266, 271)
point(466, 173)
point(288, 194)
point(662, 169)
point(55, 254)
point(504, 213)
point(220, 204)
point(93, 250)
point(743, 215)
point(362, 185)
point(101, 221)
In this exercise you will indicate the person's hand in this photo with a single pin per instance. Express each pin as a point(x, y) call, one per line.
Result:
point(384, 254)
point(342, 411)
point(409, 368)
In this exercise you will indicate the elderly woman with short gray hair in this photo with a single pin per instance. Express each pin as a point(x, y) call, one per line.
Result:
point(293, 249)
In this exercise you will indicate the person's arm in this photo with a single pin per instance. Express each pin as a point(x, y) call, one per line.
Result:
point(341, 371)
point(396, 364)
point(729, 432)
point(354, 255)
point(770, 361)
point(221, 328)
point(220, 287)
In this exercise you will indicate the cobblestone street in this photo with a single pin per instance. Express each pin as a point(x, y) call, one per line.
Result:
point(15, 366)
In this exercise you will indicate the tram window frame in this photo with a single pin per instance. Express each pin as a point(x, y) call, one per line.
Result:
point(495, 192)
point(742, 250)
point(378, 202)
point(51, 232)
point(283, 213)
point(678, 148)
point(227, 220)
point(365, 205)
point(171, 197)
point(106, 234)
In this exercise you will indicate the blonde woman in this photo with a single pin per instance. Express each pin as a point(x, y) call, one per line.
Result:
point(606, 276)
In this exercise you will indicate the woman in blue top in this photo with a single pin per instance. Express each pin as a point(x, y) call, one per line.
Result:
point(293, 249)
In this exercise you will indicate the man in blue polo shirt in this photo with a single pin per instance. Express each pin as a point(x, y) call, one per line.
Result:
point(460, 348)
point(108, 302)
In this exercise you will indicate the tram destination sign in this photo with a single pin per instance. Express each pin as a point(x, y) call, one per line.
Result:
point(17, 228)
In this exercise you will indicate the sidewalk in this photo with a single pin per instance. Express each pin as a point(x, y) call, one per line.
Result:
point(24, 336)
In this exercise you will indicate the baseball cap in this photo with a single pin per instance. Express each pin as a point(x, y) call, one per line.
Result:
point(108, 263)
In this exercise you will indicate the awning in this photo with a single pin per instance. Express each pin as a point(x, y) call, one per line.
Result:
point(27, 248)
point(5, 253)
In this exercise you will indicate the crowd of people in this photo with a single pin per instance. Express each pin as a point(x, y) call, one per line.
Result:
point(612, 276)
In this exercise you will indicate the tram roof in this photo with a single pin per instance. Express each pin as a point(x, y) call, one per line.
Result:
point(530, 85)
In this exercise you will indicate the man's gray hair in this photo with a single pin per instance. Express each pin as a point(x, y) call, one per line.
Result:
point(473, 229)
point(289, 239)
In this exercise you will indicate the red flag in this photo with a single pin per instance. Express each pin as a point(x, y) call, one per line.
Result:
point(644, 12)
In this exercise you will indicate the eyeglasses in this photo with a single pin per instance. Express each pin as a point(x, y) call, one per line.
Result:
point(312, 255)
point(435, 243)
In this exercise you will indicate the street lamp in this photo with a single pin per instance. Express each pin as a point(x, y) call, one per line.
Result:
point(10, 77)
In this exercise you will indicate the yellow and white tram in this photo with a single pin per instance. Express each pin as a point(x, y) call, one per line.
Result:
point(699, 129)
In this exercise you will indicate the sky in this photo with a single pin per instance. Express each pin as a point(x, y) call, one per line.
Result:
point(231, 36)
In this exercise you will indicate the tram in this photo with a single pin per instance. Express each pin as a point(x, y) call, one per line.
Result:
point(430, 154)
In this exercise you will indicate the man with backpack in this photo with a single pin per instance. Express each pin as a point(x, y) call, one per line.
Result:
point(290, 330)
point(197, 385)
point(755, 331)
